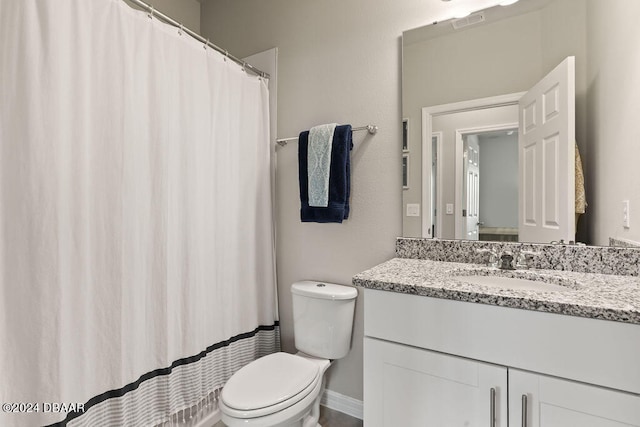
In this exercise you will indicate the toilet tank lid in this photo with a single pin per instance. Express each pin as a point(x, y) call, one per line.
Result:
point(323, 290)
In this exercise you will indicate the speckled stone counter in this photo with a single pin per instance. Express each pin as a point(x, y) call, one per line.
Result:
point(598, 296)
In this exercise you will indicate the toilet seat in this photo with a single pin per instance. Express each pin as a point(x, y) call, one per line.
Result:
point(271, 384)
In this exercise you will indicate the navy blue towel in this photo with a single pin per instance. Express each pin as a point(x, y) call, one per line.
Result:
point(339, 178)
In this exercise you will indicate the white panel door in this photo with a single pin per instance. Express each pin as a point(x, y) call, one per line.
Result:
point(546, 158)
point(471, 190)
point(410, 387)
point(554, 402)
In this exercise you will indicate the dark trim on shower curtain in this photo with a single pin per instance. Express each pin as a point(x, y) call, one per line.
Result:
point(162, 371)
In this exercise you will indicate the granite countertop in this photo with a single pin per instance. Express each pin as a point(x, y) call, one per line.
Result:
point(597, 296)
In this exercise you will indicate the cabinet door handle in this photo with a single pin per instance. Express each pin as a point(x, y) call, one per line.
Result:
point(492, 406)
point(524, 410)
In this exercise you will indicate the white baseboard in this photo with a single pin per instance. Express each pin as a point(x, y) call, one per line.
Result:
point(341, 403)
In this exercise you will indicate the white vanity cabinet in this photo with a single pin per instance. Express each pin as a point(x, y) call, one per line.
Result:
point(412, 387)
point(550, 401)
point(433, 362)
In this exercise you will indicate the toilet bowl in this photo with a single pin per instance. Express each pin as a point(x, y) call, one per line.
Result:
point(283, 389)
point(276, 390)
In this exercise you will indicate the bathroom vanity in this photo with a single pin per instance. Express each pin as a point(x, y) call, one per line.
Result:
point(443, 350)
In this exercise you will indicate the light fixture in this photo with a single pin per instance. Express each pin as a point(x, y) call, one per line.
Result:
point(507, 2)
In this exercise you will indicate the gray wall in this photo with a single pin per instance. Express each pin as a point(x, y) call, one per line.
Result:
point(612, 172)
point(499, 180)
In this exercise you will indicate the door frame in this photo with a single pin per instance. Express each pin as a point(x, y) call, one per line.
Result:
point(459, 167)
point(428, 113)
point(437, 186)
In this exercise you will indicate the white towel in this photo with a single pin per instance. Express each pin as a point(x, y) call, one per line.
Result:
point(319, 163)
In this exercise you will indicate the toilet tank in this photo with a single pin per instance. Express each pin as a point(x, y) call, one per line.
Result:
point(323, 318)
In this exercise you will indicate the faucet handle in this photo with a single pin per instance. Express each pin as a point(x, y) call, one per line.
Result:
point(506, 261)
point(525, 258)
point(493, 256)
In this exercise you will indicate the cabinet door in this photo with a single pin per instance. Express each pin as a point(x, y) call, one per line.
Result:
point(406, 386)
point(554, 402)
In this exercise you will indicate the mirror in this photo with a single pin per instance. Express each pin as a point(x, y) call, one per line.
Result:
point(504, 51)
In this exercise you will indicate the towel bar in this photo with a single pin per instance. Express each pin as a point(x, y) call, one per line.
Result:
point(372, 129)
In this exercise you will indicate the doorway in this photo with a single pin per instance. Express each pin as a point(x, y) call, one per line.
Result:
point(449, 122)
point(489, 183)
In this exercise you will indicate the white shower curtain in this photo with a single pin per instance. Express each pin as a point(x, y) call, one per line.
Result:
point(136, 243)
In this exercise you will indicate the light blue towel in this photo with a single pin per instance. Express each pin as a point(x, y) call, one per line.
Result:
point(319, 163)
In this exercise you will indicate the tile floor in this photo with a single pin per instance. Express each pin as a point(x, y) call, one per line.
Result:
point(329, 418)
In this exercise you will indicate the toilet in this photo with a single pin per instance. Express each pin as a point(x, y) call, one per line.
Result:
point(284, 389)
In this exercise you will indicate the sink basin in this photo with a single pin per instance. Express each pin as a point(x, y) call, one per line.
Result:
point(515, 283)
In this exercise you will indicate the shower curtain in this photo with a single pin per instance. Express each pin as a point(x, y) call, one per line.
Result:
point(136, 242)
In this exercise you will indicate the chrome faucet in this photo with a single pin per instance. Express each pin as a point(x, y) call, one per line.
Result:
point(524, 260)
point(506, 260)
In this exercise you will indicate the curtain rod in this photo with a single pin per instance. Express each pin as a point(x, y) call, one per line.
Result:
point(372, 129)
point(153, 12)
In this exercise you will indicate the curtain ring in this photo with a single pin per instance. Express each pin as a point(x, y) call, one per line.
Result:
point(150, 14)
point(226, 55)
point(204, 46)
point(181, 29)
point(244, 64)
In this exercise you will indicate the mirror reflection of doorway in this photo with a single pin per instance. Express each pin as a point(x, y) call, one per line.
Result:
point(545, 116)
point(490, 185)
point(451, 124)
